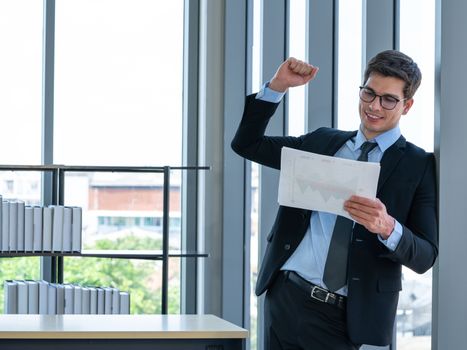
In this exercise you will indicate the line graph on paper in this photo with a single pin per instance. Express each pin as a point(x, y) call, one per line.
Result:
point(331, 190)
point(316, 182)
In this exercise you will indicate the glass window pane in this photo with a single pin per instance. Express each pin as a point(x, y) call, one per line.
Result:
point(349, 64)
point(174, 286)
point(418, 124)
point(118, 86)
point(415, 304)
point(118, 82)
point(141, 278)
point(297, 48)
point(126, 207)
point(17, 269)
point(23, 186)
point(124, 211)
point(21, 23)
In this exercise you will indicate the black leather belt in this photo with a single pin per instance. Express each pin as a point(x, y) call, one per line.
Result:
point(316, 292)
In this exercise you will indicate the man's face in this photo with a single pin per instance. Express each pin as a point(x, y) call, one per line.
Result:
point(376, 120)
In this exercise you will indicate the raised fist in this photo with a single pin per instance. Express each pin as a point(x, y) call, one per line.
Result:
point(292, 73)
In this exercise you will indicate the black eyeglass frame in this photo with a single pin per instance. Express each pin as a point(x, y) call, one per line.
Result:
point(380, 98)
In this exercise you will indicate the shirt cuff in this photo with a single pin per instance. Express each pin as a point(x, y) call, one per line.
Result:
point(269, 95)
point(395, 237)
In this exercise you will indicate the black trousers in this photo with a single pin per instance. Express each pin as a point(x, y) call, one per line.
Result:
point(294, 320)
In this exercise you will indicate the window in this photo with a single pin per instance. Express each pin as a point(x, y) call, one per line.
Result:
point(20, 114)
point(21, 81)
point(349, 64)
point(23, 267)
point(117, 209)
point(297, 48)
point(118, 82)
point(415, 302)
point(419, 124)
point(117, 101)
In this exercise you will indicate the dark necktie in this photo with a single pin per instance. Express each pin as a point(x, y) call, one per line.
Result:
point(335, 270)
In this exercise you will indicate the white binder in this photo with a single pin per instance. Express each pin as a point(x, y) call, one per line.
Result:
point(67, 213)
point(10, 289)
point(93, 301)
point(22, 297)
point(108, 300)
point(52, 299)
point(33, 297)
point(77, 219)
point(60, 299)
point(43, 297)
point(69, 299)
point(115, 301)
point(37, 234)
point(47, 229)
point(124, 303)
point(57, 228)
point(100, 301)
point(78, 299)
point(5, 226)
point(28, 228)
point(20, 226)
point(86, 303)
point(13, 229)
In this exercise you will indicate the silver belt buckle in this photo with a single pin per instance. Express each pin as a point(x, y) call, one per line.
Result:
point(328, 294)
point(319, 289)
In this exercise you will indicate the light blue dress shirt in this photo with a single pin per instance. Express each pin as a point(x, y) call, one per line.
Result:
point(309, 258)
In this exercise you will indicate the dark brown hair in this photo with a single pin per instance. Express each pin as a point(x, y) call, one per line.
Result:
point(392, 63)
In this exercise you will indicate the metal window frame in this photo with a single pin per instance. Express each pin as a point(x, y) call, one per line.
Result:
point(189, 267)
point(49, 196)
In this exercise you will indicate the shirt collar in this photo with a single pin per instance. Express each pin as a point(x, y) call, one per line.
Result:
point(384, 140)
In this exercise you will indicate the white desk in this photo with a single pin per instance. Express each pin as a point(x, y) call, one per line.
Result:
point(119, 332)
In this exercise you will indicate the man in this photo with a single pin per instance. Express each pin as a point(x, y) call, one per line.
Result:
point(397, 228)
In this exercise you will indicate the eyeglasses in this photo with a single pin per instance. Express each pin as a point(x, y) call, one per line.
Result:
point(386, 101)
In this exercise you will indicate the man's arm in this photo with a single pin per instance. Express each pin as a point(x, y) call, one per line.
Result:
point(249, 141)
point(418, 245)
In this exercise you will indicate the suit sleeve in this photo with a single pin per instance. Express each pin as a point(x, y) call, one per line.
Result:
point(250, 141)
point(418, 247)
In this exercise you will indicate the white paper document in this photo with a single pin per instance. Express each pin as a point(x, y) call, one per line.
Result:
point(316, 182)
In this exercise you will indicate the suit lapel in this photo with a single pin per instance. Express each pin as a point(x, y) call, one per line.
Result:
point(389, 161)
point(336, 142)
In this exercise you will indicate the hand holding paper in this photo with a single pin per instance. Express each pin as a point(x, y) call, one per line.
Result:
point(372, 214)
point(317, 182)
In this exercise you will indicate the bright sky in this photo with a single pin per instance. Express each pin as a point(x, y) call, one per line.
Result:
point(118, 82)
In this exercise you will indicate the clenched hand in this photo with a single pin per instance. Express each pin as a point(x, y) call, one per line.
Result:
point(292, 73)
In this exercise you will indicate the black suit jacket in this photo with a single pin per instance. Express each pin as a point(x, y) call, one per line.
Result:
point(407, 186)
